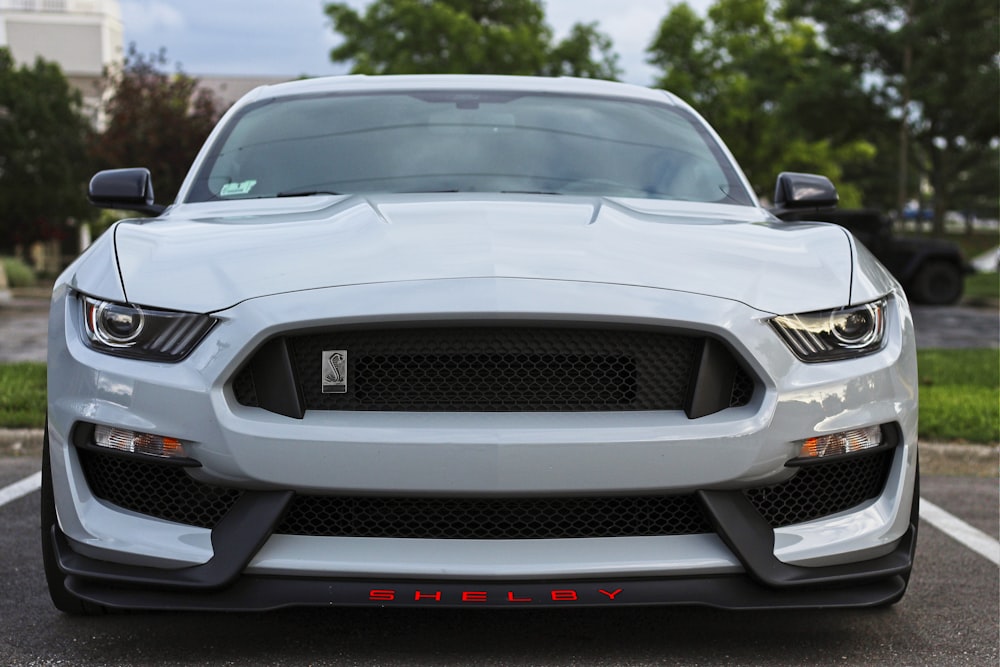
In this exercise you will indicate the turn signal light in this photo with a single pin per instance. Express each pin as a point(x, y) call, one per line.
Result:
point(137, 443)
point(845, 442)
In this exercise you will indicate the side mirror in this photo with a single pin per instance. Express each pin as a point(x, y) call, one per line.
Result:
point(125, 189)
point(796, 191)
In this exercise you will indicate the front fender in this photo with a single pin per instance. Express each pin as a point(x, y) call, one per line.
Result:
point(870, 280)
point(95, 272)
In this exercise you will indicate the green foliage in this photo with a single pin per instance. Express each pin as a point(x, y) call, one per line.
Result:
point(933, 64)
point(43, 162)
point(105, 218)
point(959, 395)
point(465, 37)
point(768, 87)
point(19, 274)
point(155, 120)
point(821, 85)
point(574, 55)
point(22, 395)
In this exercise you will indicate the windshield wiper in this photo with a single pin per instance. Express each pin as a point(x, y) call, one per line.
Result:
point(306, 193)
point(530, 192)
point(427, 192)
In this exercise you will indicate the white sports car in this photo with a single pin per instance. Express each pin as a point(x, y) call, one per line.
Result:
point(475, 341)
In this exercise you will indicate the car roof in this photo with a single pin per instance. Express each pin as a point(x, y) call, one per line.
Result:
point(430, 82)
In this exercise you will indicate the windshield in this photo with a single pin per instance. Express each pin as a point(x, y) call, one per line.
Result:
point(465, 141)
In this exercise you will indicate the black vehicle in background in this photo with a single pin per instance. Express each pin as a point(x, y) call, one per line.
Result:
point(932, 271)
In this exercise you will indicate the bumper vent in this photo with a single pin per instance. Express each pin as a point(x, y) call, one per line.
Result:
point(168, 492)
point(822, 489)
point(154, 489)
point(497, 369)
point(495, 518)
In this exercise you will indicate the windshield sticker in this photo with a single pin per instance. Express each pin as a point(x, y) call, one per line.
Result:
point(242, 188)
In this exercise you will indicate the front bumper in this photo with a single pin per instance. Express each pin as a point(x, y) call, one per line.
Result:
point(220, 583)
point(120, 557)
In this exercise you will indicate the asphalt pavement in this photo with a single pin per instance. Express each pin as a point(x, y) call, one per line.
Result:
point(948, 617)
point(952, 327)
point(23, 327)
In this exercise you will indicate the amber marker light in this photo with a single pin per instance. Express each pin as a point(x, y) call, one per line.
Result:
point(845, 442)
point(135, 442)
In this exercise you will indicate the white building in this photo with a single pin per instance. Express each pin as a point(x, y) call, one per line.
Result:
point(82, 36)
point(228, 89)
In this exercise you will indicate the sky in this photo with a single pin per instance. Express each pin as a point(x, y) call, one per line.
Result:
point(294, 37)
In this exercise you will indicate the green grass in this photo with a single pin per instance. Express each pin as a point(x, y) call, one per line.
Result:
point(959, 395)
point(22, 395)
point(19, 274)
point(982, 286)
point(975, 244)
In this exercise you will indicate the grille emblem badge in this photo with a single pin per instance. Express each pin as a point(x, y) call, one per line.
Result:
point(334, 371)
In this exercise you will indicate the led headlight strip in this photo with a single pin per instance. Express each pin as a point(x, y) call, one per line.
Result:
point(834, 334)
point(127, 330)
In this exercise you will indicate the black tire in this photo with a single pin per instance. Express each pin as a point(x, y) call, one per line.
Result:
point(937, 282)
point(63, 600)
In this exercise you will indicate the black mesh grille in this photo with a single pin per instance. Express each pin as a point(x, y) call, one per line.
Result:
point(742, 389)
point(498, 369)
point(168, 492)
point(245, 390)
point(164, 491)
point(495, 519)
point(822, 489)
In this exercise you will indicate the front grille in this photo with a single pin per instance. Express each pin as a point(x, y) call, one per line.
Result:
point(495, 518)
point(490, 369)
point(168, 492)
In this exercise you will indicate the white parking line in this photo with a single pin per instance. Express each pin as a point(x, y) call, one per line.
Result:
point(19, 489)
point(950, 525)
point(957, 529)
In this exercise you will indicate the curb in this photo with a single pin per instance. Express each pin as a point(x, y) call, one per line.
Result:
point(21, 441)
point(959, 459)
point(936, 458)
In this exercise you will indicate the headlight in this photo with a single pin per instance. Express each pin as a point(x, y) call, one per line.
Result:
point(834, 334)
point(142, 333)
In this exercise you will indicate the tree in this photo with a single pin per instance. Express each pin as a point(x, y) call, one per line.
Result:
point(575, 55)
point(43, 163)
point(932, 65)
point(767, 86)
point(155, 120)
point(465, 37)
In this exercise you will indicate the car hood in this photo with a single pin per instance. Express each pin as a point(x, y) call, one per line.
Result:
point(208, 257)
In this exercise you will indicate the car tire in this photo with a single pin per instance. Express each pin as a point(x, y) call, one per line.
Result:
point(62, 598)
point(937, 283)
